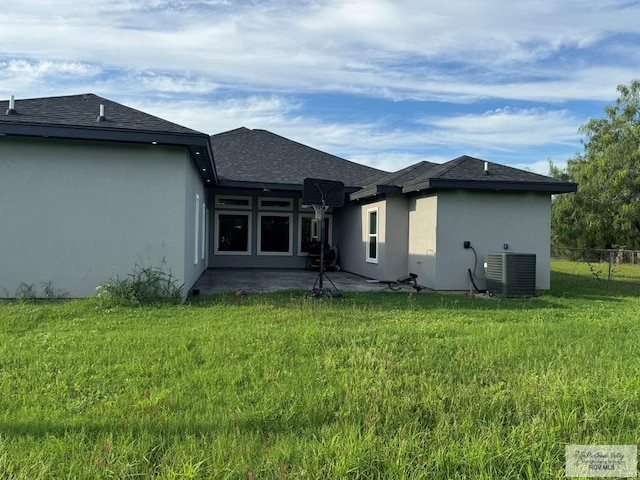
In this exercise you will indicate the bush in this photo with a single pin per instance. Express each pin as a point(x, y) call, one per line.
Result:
point(146, 284)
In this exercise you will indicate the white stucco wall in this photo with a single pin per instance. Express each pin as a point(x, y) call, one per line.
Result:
point(489, 220)
point(76, 213)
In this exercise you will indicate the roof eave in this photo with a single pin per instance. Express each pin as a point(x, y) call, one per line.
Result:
point(271, 186)
point(199, 145)
point(373, 191)
point(252, 185)
point(549, 187)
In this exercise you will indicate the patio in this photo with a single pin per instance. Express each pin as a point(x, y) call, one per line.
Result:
point(262, 280)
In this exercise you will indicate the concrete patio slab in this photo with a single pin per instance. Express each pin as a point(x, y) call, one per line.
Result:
point(262, 280)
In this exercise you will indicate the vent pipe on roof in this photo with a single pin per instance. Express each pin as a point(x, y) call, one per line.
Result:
point(12, 106)
point(101, 117)
point(486, 168)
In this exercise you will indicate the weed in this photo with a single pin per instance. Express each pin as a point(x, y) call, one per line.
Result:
point(26, 292)
point(144, 285)
point(49, 292)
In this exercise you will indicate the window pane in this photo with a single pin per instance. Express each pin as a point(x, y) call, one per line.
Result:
point(274, 233)
point(373, 223)
point(276, 204)
point(373, 251)
point(233, 202)
point(233, 233)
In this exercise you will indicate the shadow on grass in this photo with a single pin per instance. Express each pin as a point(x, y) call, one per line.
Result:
point(306, 421)
point(377, 301)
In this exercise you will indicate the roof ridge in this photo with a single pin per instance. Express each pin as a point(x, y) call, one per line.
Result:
point(391, 176)
point(450, 165)
point(233, 131)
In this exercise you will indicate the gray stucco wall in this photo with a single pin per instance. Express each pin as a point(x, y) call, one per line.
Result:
point(194, 263)
point(489, 220)
point(349, 232)
point(423, 221)
point(396, 236)
point(425, 235)
point(77, 213)
point(393, 229)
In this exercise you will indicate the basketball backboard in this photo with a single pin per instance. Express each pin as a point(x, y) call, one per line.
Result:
point(316, 191)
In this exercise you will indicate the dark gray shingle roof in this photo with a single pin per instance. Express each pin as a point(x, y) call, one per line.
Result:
point(83, 111)
point(261, 158)
point(463, 172)
point(469, 172)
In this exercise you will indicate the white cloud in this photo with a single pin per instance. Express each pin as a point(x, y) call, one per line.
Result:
point(45, 68)
point(506, 128)
point(215, 65)
point(216, 116)
point(176, 84)
point(454, 51)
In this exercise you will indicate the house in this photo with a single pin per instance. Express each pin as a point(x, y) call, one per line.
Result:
point(414, 220)
point(89, 187)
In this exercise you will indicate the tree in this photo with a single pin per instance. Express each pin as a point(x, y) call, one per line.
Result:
point(605, 211)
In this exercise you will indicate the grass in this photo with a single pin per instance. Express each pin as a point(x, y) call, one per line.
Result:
point(386, 385)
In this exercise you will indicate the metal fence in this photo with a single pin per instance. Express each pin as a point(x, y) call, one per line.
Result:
point(612, 269)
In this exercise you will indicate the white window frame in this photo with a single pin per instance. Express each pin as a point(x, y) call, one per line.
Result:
point(303, 207)
point(370, 236)
point(203, 236)
point(287, 208)
point(312, 216)
point(196, 233)
point(259, 236)
point(217, 231)
point(233, 197)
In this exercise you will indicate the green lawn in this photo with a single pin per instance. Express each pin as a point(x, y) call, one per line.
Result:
point(386, 385)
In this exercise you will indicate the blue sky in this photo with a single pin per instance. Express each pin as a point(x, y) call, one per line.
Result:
point(382, 82)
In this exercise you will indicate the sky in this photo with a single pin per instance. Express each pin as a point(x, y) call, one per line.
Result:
point(386, 83)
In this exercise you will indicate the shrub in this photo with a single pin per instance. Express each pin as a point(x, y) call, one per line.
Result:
point(144, 285)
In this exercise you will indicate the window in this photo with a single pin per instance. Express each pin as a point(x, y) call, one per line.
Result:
point(274, 203)
point(233, 201)
point(372, 236)
point(303, 207)
point(233, 233)
point(196, 231)
point(309, 232)
point(274, 233)
point(203, 238)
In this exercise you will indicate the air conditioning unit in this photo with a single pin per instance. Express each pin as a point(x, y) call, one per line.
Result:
point(511, 274)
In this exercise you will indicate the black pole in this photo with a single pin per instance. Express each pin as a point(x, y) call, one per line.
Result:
point(322, 243)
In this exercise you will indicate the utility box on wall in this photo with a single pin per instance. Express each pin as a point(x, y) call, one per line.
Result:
point(511, 274)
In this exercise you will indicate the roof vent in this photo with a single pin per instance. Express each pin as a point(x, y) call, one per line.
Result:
point(486, 168)
point(101, 117)
point(12, 106)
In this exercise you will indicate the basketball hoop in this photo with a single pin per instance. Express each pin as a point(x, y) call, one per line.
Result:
point(322, 194)
point(320, 211)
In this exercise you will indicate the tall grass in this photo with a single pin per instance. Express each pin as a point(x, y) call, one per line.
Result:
point(379, 385)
